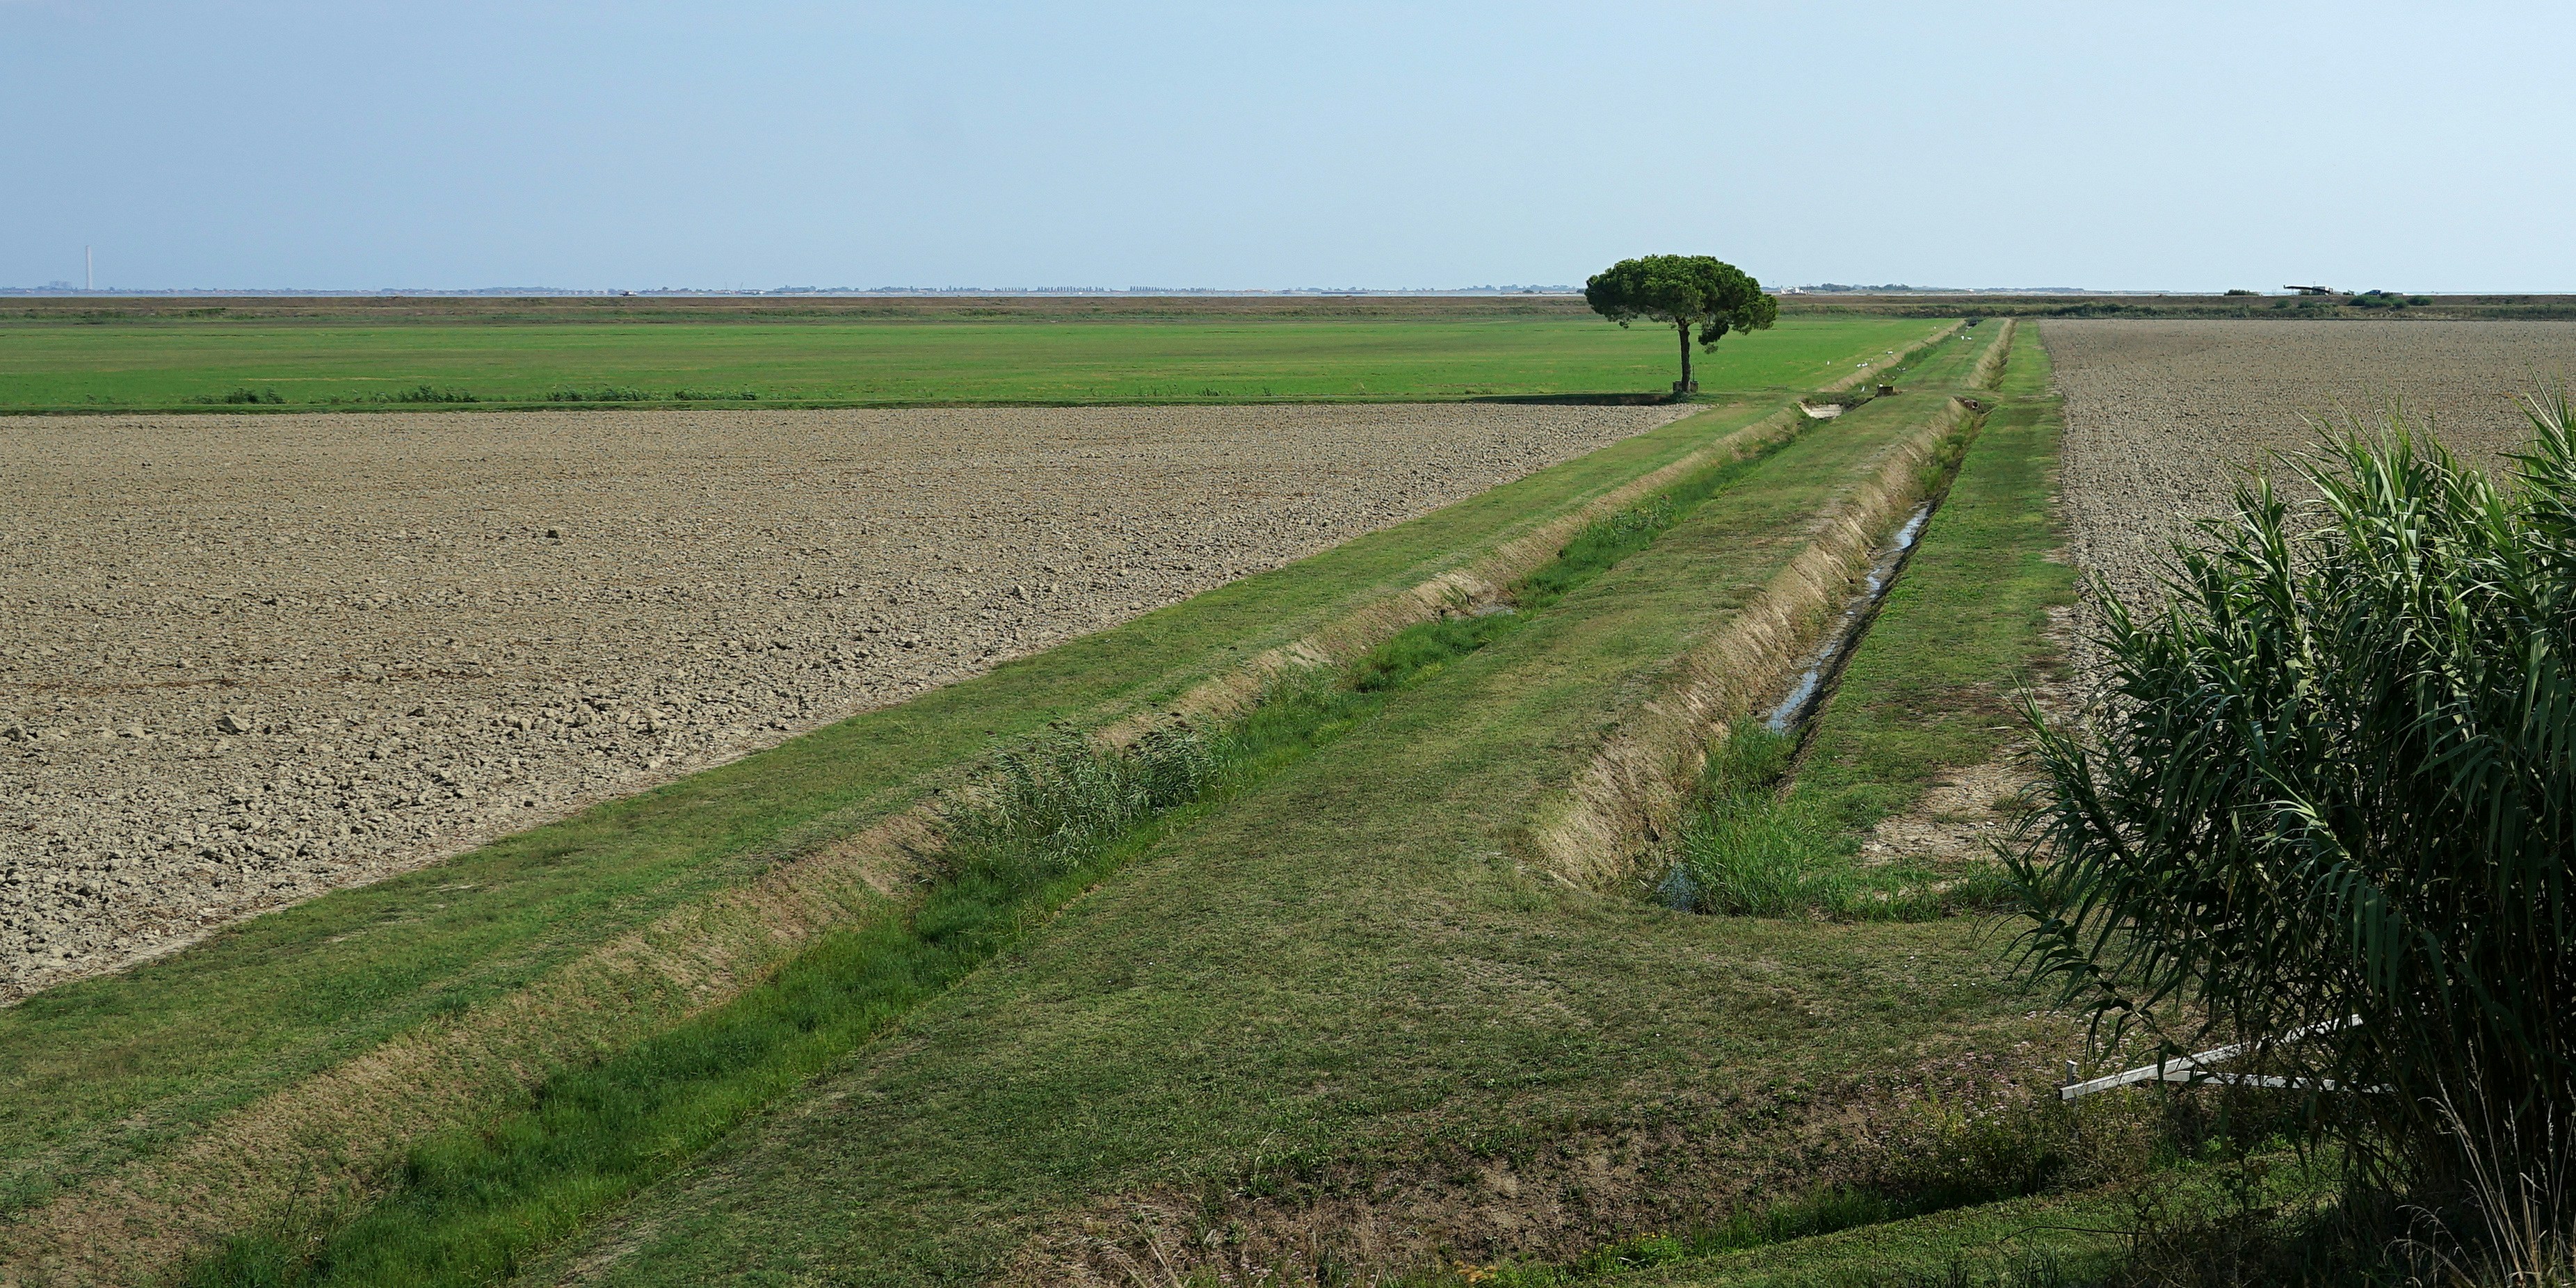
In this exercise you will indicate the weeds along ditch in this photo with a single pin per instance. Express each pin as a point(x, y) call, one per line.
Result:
point(1749, 845)
point(1969, 1187)
point(1753, 847)
point(1046, 821)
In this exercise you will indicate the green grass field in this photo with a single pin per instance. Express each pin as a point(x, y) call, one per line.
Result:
point(194, 365)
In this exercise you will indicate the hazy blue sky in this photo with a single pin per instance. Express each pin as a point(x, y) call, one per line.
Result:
point(1977, 143)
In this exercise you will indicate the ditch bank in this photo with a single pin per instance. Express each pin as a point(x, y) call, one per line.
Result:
point(1633, 793)
point(1823, 666)
point(1634, 790)
point(1478, 582)
point(1989, 373)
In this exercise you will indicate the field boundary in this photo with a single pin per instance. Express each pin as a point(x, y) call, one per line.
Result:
point(1990, 366)
point(1633, 791)
point(813, 404)
point(1478, 581)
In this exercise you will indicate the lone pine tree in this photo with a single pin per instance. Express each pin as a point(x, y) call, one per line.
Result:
point(1682, 291)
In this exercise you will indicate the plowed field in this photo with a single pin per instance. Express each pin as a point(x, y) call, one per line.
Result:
point(2162, 418)
point(249, 659)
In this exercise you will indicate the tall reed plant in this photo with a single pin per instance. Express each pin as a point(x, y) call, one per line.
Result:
point(2327, 805)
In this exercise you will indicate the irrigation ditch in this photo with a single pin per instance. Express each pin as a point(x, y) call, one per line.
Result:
point(1778, 659)
point(1868, 539)
point(1633, 793)
point(1823, 666)
point(1894, 439)
point(327, 1147)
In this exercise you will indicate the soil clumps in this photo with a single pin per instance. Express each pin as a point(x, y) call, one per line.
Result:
point(2163, 418)
point(247, 660)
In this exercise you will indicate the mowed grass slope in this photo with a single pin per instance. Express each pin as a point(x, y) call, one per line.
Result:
point(1340, 1001)
point(1932, 689)
point(1926, 693)
point(1964, 629)
point(183, 364)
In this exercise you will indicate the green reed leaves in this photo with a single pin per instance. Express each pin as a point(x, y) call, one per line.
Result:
point(2333, 783)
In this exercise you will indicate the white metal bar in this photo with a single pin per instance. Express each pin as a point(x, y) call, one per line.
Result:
point(2193, 1067)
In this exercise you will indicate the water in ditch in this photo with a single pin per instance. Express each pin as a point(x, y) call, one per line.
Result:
point(1680, 889)
point(1829, 653)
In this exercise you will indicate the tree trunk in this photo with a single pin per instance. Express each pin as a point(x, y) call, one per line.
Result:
point(1685, 385)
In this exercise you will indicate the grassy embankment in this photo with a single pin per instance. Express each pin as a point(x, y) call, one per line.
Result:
point(2092, 1238)
point(1929, 691)
point(271, 364)
point(1963, 628)
point(112, 1072)
point(1926, 693)
point(1340, 1006)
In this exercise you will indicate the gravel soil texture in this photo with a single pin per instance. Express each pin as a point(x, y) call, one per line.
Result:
point(249, 660)
point(2163, 418)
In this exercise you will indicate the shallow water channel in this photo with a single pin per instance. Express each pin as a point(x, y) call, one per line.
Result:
point(1825, 662)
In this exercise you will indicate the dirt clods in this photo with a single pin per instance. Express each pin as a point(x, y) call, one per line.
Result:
point(246, 660)
point(2163, 418)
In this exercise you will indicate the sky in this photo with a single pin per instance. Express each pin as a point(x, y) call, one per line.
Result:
point(1978, 143)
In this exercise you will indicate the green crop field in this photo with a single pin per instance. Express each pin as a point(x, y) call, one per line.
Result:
point(54, 364)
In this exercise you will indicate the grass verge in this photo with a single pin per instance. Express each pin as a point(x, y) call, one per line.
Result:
point(2089, 1238)
point(1926, 694)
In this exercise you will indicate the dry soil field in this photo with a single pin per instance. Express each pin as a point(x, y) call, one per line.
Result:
point(2162, 418)
point(248, 659)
